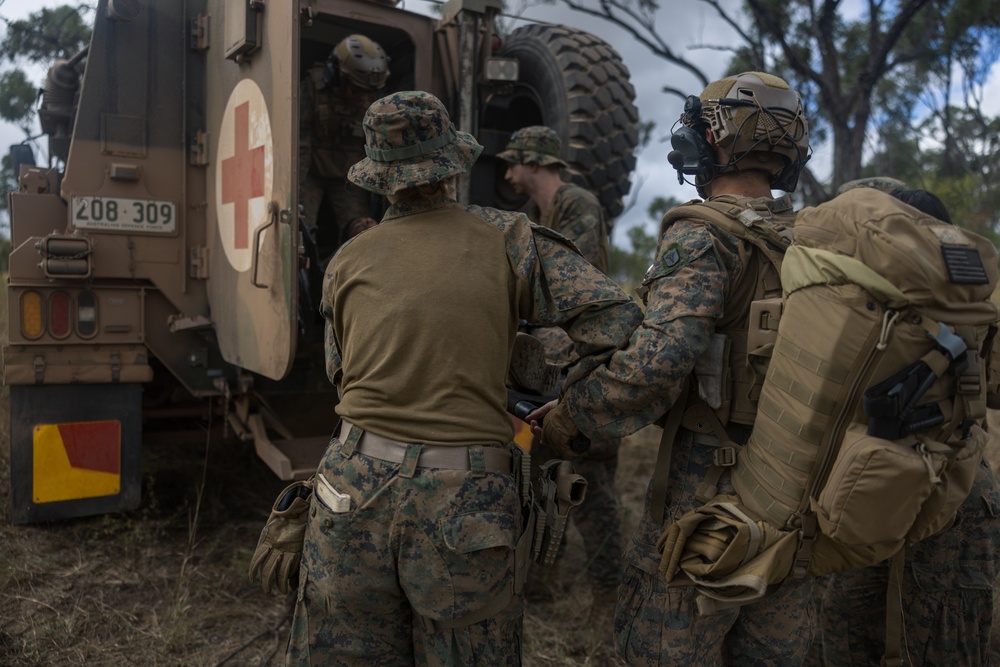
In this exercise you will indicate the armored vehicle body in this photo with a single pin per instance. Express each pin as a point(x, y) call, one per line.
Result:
point(161, 279)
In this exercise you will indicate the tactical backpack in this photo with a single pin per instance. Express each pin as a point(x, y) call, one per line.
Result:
point(866, 436)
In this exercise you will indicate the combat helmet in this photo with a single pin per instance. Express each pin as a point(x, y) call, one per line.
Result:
point(757, 118)
point(362, 62)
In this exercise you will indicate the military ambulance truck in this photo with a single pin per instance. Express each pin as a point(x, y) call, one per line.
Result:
point(160, 279)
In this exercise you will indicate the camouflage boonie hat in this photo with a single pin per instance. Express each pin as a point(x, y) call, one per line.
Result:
point(410, 141)
point(536, 144)
point(883, 183)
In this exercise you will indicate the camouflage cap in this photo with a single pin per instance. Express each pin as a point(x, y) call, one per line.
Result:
point(536, 144)
point(883, 183)
point(410, 141)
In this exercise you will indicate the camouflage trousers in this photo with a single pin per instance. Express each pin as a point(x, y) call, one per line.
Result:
point(418, 543)
point(947, 595)
point(658, 626)
point(598, 518)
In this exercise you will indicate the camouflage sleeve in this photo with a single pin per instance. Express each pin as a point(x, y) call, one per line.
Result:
point(687, 286)
point(557, 287)
point(334, 365)
point(305, 128)
point(992, 361)
point(581, 219)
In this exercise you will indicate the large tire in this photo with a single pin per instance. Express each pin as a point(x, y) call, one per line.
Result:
point(583, 92)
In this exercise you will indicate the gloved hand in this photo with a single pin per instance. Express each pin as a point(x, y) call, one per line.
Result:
point(559, 431)
point(276, 560)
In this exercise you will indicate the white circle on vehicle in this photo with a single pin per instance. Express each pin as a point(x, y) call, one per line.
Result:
point(244, 172)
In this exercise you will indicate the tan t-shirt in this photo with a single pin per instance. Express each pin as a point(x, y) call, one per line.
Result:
point(424, 315)
point(421, 313)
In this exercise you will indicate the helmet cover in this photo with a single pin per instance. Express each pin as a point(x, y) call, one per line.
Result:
point(362, 62)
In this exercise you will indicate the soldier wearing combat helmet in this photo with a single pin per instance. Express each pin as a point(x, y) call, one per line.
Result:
point(333, 100)
point(415, 545)
point(689, 368)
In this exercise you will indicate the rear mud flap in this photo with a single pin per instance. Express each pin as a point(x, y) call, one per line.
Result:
point(74, 450)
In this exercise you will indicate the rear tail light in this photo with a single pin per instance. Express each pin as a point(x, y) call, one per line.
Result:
point(59, 315)
point(32, 316)
point(86, 314)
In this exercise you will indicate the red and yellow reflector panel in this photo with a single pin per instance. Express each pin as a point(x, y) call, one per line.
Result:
point(78, 460)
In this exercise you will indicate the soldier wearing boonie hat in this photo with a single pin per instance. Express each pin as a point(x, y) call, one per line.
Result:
point(416, 518)
point(536, 144)
point(534, 162)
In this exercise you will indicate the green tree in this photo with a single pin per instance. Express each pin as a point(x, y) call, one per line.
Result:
point(42, 38)
point(629, 266)
point(887, 65)
point(29, 46)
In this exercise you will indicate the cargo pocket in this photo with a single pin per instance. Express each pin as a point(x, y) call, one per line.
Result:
point(634, 640)
point(472, 564)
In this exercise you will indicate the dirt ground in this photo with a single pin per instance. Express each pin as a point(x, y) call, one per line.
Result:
point(167, 585)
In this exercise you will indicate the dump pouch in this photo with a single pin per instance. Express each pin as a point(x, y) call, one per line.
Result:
point(558, 489)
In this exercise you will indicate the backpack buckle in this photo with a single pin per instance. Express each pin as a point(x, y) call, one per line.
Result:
point(724, 457)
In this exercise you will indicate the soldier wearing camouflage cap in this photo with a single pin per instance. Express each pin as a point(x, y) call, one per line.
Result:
point(689, 368)
point(533, 163)
point(533, 157)
point(413, 550)
point(332, 101)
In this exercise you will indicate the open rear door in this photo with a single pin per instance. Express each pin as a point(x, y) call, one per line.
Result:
point(252, 176)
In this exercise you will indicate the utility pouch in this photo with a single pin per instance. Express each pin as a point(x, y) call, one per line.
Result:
point(710, 369)
point(558, 490)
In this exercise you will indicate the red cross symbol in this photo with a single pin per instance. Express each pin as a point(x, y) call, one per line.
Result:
point(242, 177)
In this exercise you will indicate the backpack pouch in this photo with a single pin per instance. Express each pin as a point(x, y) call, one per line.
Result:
point(877, 487)
point(956, 482)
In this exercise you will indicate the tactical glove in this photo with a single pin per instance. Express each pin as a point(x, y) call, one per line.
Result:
point(558, 430)
point(276, 560)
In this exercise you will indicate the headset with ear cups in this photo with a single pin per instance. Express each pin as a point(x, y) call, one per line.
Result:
point(691, 154)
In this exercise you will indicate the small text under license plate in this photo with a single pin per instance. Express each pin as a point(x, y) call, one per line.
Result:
point(127, 215)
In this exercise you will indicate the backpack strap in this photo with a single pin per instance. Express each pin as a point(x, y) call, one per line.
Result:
point(661, 472)
point(894, 613)
point(742, 222)
point(724, 457)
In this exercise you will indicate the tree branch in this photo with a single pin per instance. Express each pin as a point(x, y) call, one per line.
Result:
point(645, 33)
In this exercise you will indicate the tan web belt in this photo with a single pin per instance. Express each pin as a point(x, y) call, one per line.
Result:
point(496, 458)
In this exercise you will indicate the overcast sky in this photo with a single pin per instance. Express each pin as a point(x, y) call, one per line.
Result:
point(682, 24)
